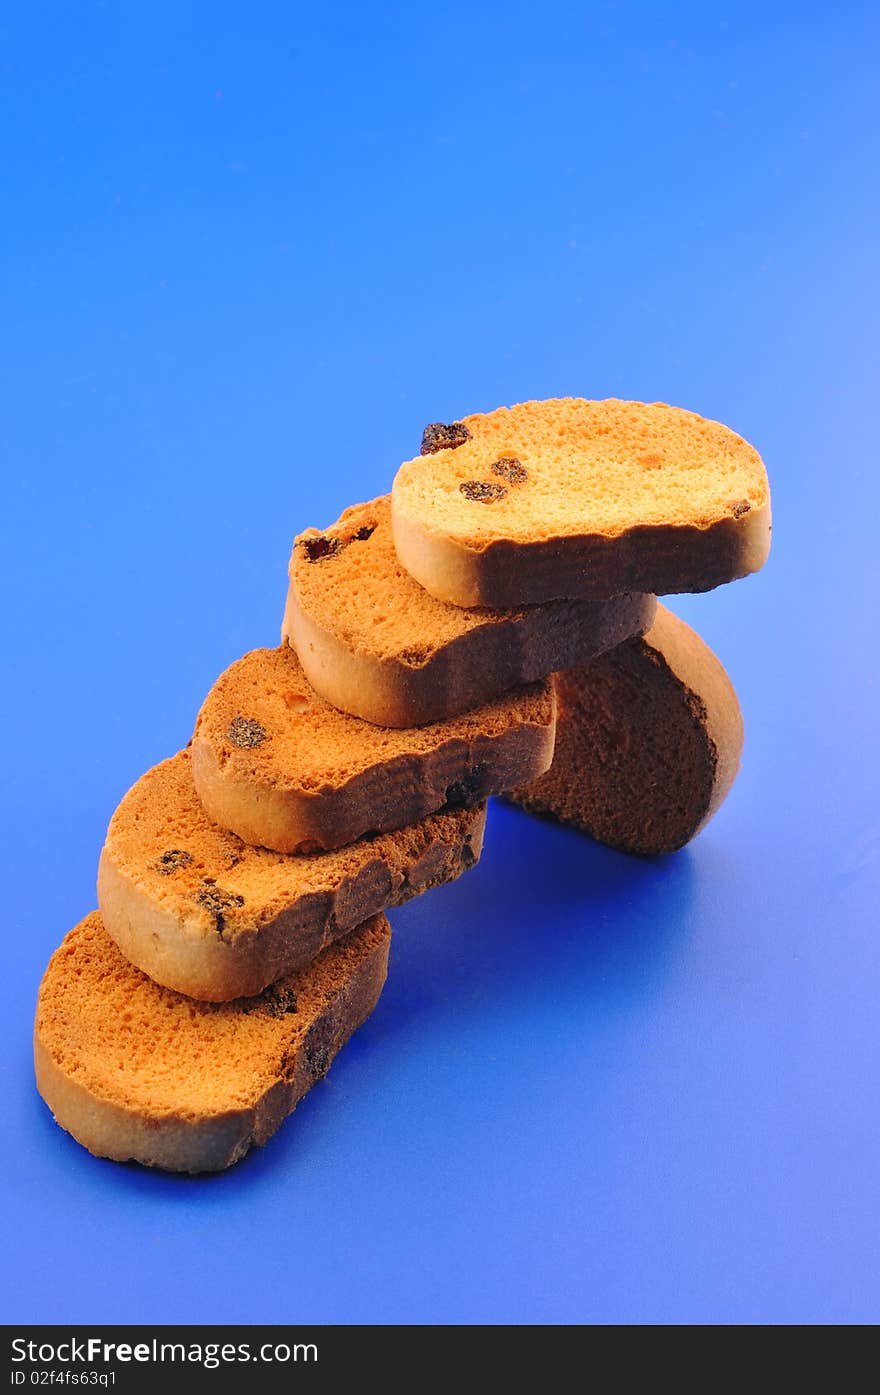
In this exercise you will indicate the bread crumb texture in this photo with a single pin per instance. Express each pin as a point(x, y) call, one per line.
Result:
point(567, 467)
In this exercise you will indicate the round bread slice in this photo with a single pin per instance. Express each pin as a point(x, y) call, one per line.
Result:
point(375, 644)
point(649, 741)
point(576, 498)
point(137, 1073)
point(284, 769)
point(203, 913)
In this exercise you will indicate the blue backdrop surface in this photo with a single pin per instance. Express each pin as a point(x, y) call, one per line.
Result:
point(248, 253)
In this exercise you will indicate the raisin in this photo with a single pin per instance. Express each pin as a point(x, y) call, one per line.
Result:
point(415, 656)
point(274, 1001)
point(246, 733)
point(467, 856)
point(172, 861)
point(741, 507)
point(318, 1059)
point(482, 491)
point(318, 548)
point(319, 1047)
point(217, 902)
point(461, 794)
point(279, 1001)
point(440, 436)
point(510, 469)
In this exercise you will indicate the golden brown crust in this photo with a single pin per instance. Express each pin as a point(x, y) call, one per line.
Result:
point(283, 769)
point(136, 1072)
point(616, 496)
point(204, 913)
point(374, 643)
point(649, 741)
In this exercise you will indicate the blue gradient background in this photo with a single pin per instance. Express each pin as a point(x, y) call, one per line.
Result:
point(248, 253)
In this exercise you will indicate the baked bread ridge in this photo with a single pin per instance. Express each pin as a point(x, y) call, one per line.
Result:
point(649, 742)
point(576, 498)
point(138, 1073)
point(376, 644)
point(283, 769)
point(207, 915)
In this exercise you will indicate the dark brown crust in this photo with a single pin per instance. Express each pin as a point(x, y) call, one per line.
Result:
point(187, 1139)
point(589, 567)
point(683, 559)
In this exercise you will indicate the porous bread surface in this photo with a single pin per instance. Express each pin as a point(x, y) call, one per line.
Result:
point(649, 741)
point(280, 766)
point(136, 1071)
point(636, 495)
point(610, 465)
point(206, 914)
point(375, 643)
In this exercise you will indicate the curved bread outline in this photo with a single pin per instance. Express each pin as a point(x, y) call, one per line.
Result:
point(478, 554)
point(292, 800)
point(669, 559)
point(474, 661)
point(605, 781)
point(80, 1033)
point(235, 918)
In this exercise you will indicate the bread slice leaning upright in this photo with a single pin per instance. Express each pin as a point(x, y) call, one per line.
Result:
point(138, 1073)
point(649, 741)
point(576, 498)
point(375, 643)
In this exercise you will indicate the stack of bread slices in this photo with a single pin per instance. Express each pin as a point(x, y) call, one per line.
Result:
point(489, 628)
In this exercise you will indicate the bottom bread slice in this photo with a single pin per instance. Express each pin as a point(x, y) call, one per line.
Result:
point(648, 742)
point(140, 1073)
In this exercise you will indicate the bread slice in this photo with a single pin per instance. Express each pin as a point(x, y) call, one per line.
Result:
point(649, 741)
point(576, 498)
point(138, 1073)
point(374, 643)
point(202, 912)
point(279, 766)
